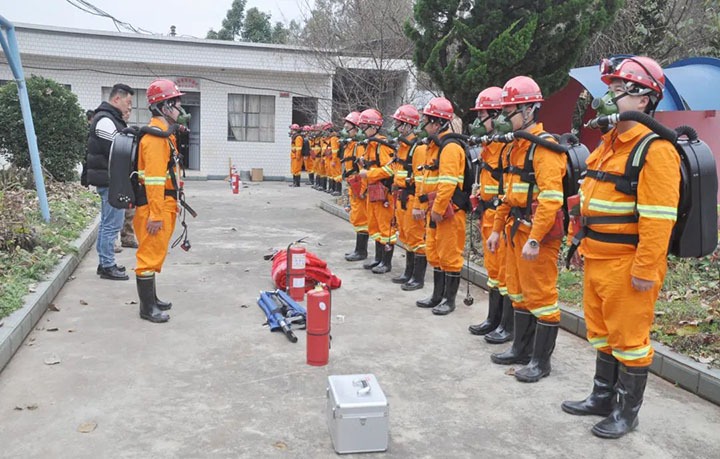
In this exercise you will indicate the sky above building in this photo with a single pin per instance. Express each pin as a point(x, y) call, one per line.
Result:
point(190, 17)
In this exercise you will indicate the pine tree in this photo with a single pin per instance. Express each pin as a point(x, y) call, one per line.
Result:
point(466, 46)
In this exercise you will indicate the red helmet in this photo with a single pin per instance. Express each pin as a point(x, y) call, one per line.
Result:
point(371, 117)
point(489, 99)
point(306, 128)
point(439, 107)
point(640, 70)
point(162, 89)
point(294, 127)
point(353, 118)
point(327, 126)
point(521, 90)
point(407, 114)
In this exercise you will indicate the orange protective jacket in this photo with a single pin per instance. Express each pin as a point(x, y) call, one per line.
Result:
point(296, 147)
point(443, 176)
point(656, 203)
point(489, 186)
point(379, 157)
point(399, 171)
point(548, 192)
point(154, 155)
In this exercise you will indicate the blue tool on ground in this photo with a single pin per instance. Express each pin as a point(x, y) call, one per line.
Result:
point(281, 312)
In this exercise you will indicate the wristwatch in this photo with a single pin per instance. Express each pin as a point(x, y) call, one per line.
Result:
point(533, 243)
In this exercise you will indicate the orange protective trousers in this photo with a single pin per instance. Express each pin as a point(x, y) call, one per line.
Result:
point(296, 165)
point(309, 164)
point(617, 316)
point(358, 212)
point(380, 214)
point(444, 244)
point(494, 262)
point(532, 285)
point(410, 232)
point(153, 248)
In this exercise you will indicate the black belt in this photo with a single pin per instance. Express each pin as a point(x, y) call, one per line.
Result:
point(171, 193)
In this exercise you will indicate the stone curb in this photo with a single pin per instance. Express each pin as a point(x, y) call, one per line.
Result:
point(668, 364)
point(21, 322)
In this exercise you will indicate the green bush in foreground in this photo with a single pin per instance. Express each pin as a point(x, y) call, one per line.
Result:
point(60, 125)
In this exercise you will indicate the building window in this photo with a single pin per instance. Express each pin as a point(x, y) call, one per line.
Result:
point(251, 118)
point(140, 114)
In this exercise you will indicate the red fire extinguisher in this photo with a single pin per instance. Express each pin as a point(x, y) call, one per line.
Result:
point(296, 272)
point(318, 326)
point(235, 180)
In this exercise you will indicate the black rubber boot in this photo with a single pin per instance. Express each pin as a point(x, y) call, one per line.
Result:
point(338, 189)
point(311, 179)
point(148, 308)
point(417, 281)
point(543, 347)
point(409, 265)
point(504, 332)
point(385, 265)
point(494, 314)
point(162, 305)
point(521, 349)
point(438, 290)
point(296, 180)
point(327, 188)
point(601, 400)
point(361, 243)
point(624, 416)
point(370, 264)
point(447, 305)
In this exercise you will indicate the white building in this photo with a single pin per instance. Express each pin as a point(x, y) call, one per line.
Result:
point(242, 96)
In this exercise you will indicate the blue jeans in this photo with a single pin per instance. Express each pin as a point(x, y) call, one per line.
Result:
point(111, 221)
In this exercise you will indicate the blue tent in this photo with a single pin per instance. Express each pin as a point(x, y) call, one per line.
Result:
point(690, 84)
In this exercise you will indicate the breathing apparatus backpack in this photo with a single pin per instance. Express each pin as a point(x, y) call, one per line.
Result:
point(125, 189)
point(305, 151)
point(695, 233)
point(576, 154)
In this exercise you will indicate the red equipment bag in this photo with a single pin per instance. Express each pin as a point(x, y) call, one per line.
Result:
point(377, 192)
point(355, 182)
point(449, 212)
point(316, 271)
point(557, 231)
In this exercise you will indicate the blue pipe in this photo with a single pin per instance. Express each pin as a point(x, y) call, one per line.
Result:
point(10, 47)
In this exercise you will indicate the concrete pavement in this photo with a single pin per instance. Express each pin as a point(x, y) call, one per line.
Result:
point(214, 383)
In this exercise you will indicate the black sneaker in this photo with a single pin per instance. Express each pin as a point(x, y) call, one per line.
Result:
point(113, 273)
point(100, 268)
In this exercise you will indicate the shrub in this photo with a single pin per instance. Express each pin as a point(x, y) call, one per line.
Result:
point(60, 125)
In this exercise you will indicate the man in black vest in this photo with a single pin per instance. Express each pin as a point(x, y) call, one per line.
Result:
point(106, 123)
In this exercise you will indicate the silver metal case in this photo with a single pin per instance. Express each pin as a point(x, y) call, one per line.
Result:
point(357, 414)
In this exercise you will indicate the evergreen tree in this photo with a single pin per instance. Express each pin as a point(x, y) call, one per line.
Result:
point(256, 27)
point(232, 24)
point(280, 34)
point(466, 46)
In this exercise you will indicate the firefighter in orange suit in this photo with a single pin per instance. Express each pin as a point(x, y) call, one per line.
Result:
point(334, 170)
point(154, 222)
point(379, 174)
point(357, 187)
point(296, 159)
point(625, 249)
point(411, 232)
point(498, 327)
point(444, 234)
point(308, 160)
point(318, 147)
point(532, 255)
